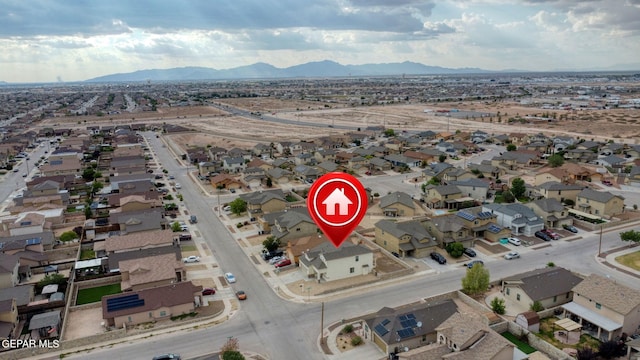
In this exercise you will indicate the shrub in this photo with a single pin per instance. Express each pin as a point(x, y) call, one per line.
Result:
point(536, 306)
point(347, 329)
point(356, 340)
point(68, 236)
point(497, 305)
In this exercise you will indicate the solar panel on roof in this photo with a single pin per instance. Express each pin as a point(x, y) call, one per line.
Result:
point(411, 316)
point(408, 323)
point(381, 330)
point(405, 333)
point(124, 302)
point(25, 223)
point(485, 215)
point(402, 317)
point(494, 228)
point(466, 215)
point(55, 162)
point(385, 322)
point(33, 241)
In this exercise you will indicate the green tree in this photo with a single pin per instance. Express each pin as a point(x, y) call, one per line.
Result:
point(87, 212)
point(442, 158)
point(555, 160)
point(50, 279)
point(88, 174)
point(389, 133)
point(230, 350)
point(518, 188)
point(96, 186)
point(269, 182)
point(508, 197)
point(232, 355)
point(631, 235)
point(238, 206)
point(497, 305)
point(511, 147)
point(536, 306)
point(476, 281)
point(68, 236)
point(455, 249)
point(271, 243)
point(175, 227)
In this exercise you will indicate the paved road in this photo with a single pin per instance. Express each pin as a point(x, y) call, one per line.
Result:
point(279, 329)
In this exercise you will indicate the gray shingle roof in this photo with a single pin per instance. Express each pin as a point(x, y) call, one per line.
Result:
point(598, 196)
point(547, 282)
point(397, 197)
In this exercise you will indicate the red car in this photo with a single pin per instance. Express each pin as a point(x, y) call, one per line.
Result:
point(552, 234)
point(208, 291)
point(283, 263)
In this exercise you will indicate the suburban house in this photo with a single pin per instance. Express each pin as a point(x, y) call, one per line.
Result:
point(8, 319)
point(550, 286)
point(9, 270)
point(297, 247)
point(279, 176)
point(289, 224)
point(517, 217)
point(558, 191)
point(512, 160)
point(139, 220)
point(205, 168)
point(443, 197)
point(325, 262)
point(151, 271)
point(551, 211)
point(487, 170)
point(604, 307)
point(600, 203)
point(397, 204)
point(68, 166)
point(265, 201)
point(225, 181)
point(233, 164)
point(408, 238)
point(410, 326)
point(135, 241)
point(465, 226)
point(463, 336)
point(152, 304)
point(474, 188)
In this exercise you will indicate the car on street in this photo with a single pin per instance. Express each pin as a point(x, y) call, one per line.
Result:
point(24, 174)
point(283, 263)
point(241, 295)
point(542, 235)
point(177, 186)
point(171, 177)
point(438, 257)
point(471, 264)
point(571, 228)
point(469, 252)
point(511, 255)
point(167, 357)
point(230, 278)
point(191, 259)
point(208, 291)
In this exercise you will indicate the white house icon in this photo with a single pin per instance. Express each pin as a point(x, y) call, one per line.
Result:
point(337, 197)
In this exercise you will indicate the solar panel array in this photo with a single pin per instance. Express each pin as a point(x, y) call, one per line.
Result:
point(405, 333)
point(381, 330)
point(465, 215)
point(494, 228)
point(55, 162)
point(485, 215)
point(33, 241)
point(25, 223)
point(385, 322)
point(124, 302)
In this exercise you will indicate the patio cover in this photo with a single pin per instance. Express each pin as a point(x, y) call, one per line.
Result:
point(592, 317)
point(568, 324)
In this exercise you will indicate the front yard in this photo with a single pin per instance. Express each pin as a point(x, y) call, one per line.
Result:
point(631, 260)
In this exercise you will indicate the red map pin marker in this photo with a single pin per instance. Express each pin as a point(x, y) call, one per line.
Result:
point(337, 202)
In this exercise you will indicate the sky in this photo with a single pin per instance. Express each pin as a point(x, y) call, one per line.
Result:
point(65, 40)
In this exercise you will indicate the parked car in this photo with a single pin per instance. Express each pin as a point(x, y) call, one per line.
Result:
point(276, 259)
point(514, 241)
point(438, 257)
point(571, 228)
point(471, 264)
point(167, 357)
point(191, 259)
point(193, 219)
point(227, 208)
point(230, 278)
point(268, 255)
point(469, 252)
point(184, 237)
point(512, 255)
point(542, 235)
point(283, 263)
point(241, 295)
point(208, 291)
point(177, 186)
point(551, 234)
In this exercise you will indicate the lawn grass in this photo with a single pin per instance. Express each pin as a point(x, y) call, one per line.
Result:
point(87, 254)
point(524, 347)
point(87, 296)
point(631, 260)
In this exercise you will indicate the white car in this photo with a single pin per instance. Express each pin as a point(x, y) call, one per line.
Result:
point(514, 241)
point(512, 255)
point(275, 259)
point(230, 278)
point(191, 259)
point(178, 186)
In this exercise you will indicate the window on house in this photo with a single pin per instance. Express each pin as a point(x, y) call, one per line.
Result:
point(385, 243)
point(598, 306)
point(163, 313)
point(129, 318)
point(352, 270)
point(150, 314)
point(567, 296)
point(518, 297)
point(297, 229)
point(555, 298)
point(424, 338)
point(357, 257)
point(508, 291)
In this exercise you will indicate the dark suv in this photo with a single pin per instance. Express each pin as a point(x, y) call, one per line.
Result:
point(167, 357)
point(542, 235)
point(439, 258)
point(266, 256)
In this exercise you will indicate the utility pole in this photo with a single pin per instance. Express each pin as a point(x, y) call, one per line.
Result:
point(322, 324)
point(600, 243)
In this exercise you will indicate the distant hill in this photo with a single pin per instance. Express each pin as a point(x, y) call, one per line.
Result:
point(317, 69)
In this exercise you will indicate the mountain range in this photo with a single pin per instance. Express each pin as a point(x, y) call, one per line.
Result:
point(260, 70)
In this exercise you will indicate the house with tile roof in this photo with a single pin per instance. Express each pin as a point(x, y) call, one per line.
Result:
point(325, 262)
point(137, 240)
point(151, 271)
point(397, 204)
point(151, 304)
point(599, 203)
point(551, 286)
point(407, 238)
point(604, 307)
point(411, 326)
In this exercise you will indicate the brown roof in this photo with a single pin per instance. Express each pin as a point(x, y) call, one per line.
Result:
point(67, 164)
point(609, 293)
point(139, 240)
point(154, 298)
point(300, 245)
point(150, 269)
